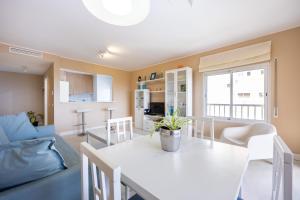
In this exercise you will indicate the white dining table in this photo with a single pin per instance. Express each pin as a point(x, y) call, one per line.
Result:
point(200, 169)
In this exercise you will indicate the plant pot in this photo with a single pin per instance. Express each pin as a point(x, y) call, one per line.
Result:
point(170, 139)
point(35, 123)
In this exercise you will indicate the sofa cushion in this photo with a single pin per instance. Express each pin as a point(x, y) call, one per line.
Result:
point(28, 160)
point(3, 137)
point(71, 157)
point(18, 127)
point(45, 131)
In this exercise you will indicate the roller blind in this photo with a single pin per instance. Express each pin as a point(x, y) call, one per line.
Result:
point(237, 57)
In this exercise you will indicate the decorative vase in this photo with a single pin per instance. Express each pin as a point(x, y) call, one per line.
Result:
point(170, 139)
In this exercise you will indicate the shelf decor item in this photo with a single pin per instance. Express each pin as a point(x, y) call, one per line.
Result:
point(153, 76)
point(142, 86)
point(170, 128)
point(183, 88)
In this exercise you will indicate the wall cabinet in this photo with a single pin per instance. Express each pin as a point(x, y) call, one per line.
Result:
point(103, 88)
point(179, 91)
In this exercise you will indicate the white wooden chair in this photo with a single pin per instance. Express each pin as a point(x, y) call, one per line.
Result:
point(257, 137)
point(121, 134)
point(282, 170)
point(211, 123)
point(106, 184)
point(193, 127)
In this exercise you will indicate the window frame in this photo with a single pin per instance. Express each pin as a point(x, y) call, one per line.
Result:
point(267, 103)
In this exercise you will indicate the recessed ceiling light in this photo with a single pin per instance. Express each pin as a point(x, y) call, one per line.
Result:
point(119, 12)
point(117, 7)
point(114, 50)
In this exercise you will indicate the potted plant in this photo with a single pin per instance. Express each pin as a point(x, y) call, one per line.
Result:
point(170, 128)
point(34, 119)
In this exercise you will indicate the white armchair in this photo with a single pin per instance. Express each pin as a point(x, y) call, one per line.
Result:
point(258, 138)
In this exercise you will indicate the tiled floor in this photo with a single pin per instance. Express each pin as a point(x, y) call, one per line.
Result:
point(258, 179)
point(256, 183)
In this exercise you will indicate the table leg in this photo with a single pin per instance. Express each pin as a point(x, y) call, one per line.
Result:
point(127, 192)
point(84, 177)
point(240, 194)
point(83, 133)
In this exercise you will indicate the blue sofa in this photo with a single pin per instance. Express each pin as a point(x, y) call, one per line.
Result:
point(64, 185)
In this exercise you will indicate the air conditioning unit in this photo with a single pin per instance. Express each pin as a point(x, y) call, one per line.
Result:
point(26, 52)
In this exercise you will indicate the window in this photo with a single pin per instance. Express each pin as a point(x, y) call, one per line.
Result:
point(238, 93)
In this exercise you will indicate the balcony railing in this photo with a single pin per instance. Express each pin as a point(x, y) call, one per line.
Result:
point(239, 111)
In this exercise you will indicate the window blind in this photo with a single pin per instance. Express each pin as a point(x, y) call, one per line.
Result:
point(251, 54)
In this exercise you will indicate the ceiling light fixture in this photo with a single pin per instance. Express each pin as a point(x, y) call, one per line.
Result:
point(119, 12)
point(101, 54)
point(105, 54)
point(114, 50)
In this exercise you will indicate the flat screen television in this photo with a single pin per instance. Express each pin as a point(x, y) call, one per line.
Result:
point(156, 108)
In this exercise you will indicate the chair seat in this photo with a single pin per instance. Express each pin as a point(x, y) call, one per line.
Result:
point(237, 141)
point(136, 197)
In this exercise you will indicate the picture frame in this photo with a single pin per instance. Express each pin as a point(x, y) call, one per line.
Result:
point(153, 76)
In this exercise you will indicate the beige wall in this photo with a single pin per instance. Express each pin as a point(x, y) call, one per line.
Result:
point(20, 92)
point(64, 113)
point(286, 48)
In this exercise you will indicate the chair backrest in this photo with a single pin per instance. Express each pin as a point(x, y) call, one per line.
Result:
point(120, 133)
point(203, 121)
point(106, 178)
point(262, 129)
point(192, 126)
point(282, 170)
point(211, 123)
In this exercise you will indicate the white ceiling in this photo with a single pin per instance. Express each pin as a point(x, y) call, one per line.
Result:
point(173, 28)
point(22, 64)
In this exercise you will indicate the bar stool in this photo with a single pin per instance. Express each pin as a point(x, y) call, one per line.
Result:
point(110, 110)
point(83, 123)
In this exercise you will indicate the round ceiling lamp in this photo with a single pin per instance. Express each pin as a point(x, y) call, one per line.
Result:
point(119, 12)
